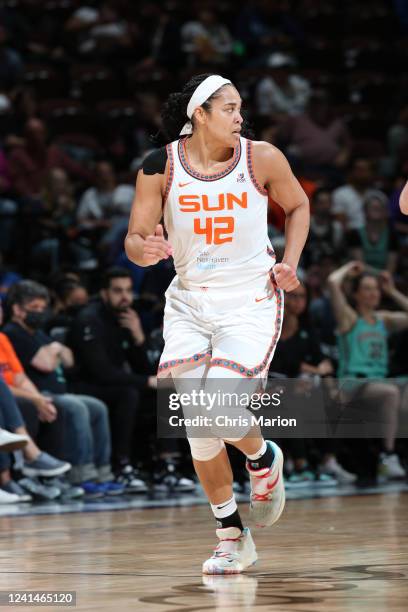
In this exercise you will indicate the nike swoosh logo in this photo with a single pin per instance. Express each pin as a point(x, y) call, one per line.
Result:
point(184, 184)
point(272, 484)
point(260, 299)
point(221, 507)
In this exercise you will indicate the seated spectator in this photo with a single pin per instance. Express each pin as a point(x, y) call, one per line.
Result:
point(326, 234)
point(60, 240)
point(70, 297)
point(206, 40)
point(363, 333)
point(36, 462)
point(320, 310)
point(104, 209)
point(44, 422)
point(298, 355)
point(348, 199)
point(110, 352)
point(31, 162)
point(100, 28)
point(281, 92)
point(317, 138)
point(375, 243)
point(87, 441)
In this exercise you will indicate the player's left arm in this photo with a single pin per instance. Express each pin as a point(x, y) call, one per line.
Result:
point(273, 171)
point(404, 200)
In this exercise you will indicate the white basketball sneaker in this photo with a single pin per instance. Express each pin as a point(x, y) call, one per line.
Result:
point(235, 552)
point(267, 490)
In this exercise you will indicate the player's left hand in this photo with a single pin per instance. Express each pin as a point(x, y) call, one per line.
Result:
point(285, 277)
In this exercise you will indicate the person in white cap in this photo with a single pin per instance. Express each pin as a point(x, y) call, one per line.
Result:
point(404, 200)
point(224, 307)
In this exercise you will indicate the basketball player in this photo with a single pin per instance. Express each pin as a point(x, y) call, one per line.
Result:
point(404, 200)
point(224, 307)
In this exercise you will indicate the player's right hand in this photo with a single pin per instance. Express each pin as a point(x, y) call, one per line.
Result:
point(156, 247)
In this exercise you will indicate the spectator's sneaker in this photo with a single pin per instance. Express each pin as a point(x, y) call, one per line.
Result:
point(68, 491)
point(10, 442)
point(130, 478)
point(38, 490)
point(390, 467)
point(13, 487)
point(8, 498)
point(45, 465)
point(168, 479)
point(325, 480)
point(300, 478)
point(235, 552)
point(113, 488)
point(333, 468)
point(93, 489)
point(267, 490)
point(307, 477)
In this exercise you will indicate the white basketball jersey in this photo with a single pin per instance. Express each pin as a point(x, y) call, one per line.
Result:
point(217, 224)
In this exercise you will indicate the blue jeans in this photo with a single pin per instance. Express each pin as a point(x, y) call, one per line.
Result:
point(87, 436)
point(10, 419)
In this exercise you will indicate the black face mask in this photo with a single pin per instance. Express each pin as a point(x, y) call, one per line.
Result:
point(36, 320)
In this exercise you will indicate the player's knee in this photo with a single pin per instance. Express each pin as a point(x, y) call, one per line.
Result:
point(205, 449)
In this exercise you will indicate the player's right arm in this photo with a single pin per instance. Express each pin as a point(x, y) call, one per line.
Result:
point(404, 200)
point(145, 244)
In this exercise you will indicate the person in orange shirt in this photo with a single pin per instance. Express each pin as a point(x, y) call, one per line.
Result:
point(19, 383)
point(37, 409)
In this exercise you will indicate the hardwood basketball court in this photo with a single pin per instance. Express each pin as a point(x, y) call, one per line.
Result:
point(332, 554)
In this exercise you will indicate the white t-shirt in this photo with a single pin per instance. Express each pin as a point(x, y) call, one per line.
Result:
point(271, 98)
point(349, 202)
point(96, 205)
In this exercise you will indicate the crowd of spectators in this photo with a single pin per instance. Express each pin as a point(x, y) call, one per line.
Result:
point(81, 86)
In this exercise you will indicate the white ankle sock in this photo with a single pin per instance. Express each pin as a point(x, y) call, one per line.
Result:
point(259, 454)
point(224, 509)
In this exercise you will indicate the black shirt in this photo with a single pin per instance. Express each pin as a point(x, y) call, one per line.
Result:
point(106, 353)
point(302, 347)
point(26, 345)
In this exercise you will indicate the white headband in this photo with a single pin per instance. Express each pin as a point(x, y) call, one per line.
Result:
point(204, 91)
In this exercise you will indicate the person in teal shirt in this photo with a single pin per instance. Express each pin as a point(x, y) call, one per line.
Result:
point(375, 243)
point(363, 344)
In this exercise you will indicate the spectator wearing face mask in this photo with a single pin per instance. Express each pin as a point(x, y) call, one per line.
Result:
point(87, 441)
point(45, 424)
